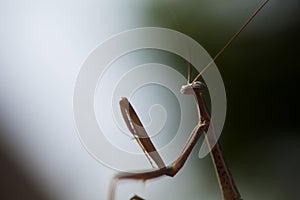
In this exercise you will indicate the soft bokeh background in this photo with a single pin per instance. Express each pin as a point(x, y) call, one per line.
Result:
point(43, 44)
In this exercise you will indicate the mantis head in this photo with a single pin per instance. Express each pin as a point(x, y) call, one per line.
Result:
point(191, 88)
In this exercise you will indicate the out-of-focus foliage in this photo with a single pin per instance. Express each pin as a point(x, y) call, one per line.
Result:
point(261, 75)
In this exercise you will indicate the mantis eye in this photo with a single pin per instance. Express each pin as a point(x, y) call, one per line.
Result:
point(198, 85)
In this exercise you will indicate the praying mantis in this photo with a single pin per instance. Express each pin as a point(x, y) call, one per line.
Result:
point(135, 126)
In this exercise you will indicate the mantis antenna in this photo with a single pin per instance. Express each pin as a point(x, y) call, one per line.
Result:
point(189, 73)
point(231, 39)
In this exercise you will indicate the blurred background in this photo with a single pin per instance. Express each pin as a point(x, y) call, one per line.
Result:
point(43, 45)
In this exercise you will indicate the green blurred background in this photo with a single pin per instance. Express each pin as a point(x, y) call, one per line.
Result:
point(261, 140)
point(260, 70)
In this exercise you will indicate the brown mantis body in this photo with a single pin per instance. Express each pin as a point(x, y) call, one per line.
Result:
point(226, 182)
point(136, 128)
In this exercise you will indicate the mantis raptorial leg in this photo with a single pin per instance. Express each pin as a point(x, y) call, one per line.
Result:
point(136, 128)
point(226, 182)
